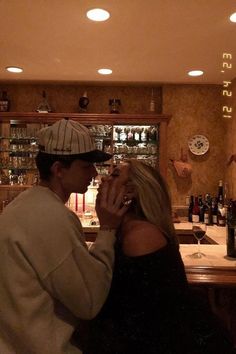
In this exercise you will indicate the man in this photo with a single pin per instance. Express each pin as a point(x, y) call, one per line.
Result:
point(48, 277)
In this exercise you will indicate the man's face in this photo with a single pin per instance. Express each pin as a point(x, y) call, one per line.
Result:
point(78, 176)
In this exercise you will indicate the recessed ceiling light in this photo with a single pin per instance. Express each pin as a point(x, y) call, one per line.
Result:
point(195, 73)
point(105, 71)
point(98, 15)
point(14, 69)
point(233, 17)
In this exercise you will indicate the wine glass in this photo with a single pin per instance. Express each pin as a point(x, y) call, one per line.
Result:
point(199, 231)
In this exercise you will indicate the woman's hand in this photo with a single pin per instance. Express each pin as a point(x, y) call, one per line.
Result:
point(109, 207)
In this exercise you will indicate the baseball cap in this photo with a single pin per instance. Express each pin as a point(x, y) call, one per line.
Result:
point(67, 137)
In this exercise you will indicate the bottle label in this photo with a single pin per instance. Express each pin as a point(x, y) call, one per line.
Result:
point(195, 218)
point(214, 219)
point(221, 222)
point(206, 218)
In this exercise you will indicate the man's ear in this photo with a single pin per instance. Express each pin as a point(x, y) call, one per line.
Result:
point(57, 169)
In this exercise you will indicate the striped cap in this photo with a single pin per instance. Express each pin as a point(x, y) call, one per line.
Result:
point(67, 137)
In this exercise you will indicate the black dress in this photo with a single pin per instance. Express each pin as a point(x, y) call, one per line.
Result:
point(150, 309)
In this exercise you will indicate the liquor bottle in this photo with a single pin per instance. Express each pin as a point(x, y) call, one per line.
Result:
point(214, 208)
point(190, 208)
point(4, 102)
point(114, 103)
point(196, 210)
point(208, 211)
point(231, 229)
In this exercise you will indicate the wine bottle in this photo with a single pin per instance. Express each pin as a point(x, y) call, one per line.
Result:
point(208, 211)
point(190, 208)
point(201, 207)
point(231, 229)
point(214, 211)
point(221, 220)
point(4, 102)
point(196, 210)
point(220, 193)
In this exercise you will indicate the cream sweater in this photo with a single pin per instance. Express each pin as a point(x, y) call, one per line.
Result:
point(48, 278)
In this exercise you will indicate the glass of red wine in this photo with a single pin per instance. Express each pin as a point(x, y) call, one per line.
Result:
point(199, 231)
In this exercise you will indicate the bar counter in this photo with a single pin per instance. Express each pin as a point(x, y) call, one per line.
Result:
point(215, 269)
point(214, 275)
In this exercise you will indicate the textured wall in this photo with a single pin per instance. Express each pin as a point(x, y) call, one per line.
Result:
point(195, 109)
point(65, 97)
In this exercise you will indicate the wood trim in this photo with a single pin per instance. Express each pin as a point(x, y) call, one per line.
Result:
point(85, 118)
point(211, 276)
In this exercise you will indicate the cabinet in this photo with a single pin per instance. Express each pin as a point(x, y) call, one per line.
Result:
point(141, 136)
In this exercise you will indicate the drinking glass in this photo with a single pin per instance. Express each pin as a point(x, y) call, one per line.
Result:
point(199, 231)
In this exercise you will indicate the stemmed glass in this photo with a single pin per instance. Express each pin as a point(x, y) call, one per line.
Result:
point(199, 231)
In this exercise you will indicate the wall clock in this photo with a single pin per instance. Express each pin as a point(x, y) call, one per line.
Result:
point(198, 144)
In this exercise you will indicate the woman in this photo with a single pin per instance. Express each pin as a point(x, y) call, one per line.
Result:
point(150, 308)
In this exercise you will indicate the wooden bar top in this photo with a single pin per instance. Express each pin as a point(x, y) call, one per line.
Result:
point(215, 268)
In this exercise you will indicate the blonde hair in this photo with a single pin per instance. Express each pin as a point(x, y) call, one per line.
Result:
point(152, 201)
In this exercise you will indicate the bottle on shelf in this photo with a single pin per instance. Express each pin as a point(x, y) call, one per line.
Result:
point(196, 211)
point(4, 102)
point(152, 103)
point(231, 230)
point(190, 208)
point(114, 104)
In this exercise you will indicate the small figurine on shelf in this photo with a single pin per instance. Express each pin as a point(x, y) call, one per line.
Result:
point(114, 103)
point(83, 102)
point(4, 102)
point(44, 106)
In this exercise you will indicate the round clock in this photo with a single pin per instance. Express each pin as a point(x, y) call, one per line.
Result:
point(198, 144)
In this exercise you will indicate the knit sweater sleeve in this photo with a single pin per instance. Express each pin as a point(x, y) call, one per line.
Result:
point(82, 280)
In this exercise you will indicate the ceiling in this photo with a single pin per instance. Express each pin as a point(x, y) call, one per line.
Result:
point(152, 41)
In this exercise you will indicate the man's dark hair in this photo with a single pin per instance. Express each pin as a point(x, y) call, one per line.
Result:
point(45, 161)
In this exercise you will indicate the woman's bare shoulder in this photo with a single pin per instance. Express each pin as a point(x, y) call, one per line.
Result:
point(141, 237)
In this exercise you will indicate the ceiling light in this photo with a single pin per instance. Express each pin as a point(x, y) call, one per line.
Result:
point(14, 69)
point(195, 73)
point(98, 15)
point(105, 71)
point(233, 17)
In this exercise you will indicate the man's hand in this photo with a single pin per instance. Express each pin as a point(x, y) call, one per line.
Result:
point(109, 206)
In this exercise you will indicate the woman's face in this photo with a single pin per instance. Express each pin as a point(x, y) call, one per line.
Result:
point(119, 176)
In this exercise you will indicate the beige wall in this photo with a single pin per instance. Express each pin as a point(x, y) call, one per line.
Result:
point(195, 109)
point(65, 97)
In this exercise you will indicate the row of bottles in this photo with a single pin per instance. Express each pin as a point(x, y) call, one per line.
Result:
point(210, 210)
point(219, 211)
